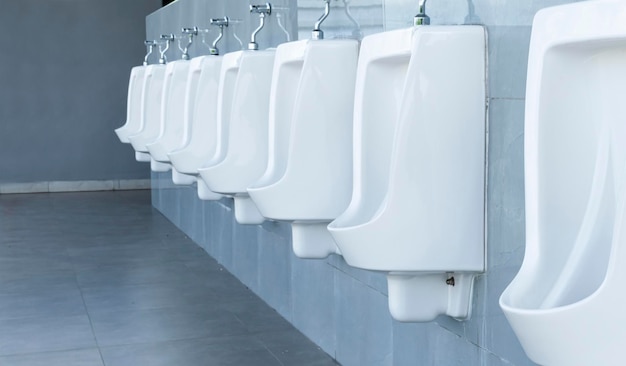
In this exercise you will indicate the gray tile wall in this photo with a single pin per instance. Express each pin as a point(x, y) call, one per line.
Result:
point(344, 310)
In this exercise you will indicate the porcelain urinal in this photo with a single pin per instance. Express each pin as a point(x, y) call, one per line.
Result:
point(566, 304)
point(417, 208)
point(241, 154)
point(172, 115)
point(218, 138)
point(200, 130)
point(133, 105)
point(150, 111)
point(308, 180)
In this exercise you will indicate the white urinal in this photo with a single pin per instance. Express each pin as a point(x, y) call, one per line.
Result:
point(133, 105)
point(566, 304)
point(201, 126)
point(308, 180)
point(241, 156)
point(178, 133)
point(229, 70)
point(150, 111)
point(172, 115)
point(417, 209)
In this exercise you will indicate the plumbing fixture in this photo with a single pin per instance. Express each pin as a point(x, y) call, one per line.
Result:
point(167, 39)
point(234, 32)
point(263, 11)
point(416, 213)
point(421, 18)
point(282, 27)
point(471, 17)
point(221, 23)
point(356, 32)
point(190, 33)
point(150, 47)
point(317, 32)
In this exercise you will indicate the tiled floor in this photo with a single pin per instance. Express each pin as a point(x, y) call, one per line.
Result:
point(103, 279)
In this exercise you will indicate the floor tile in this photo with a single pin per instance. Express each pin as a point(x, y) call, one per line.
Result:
point(144, 297)
point(258, 316)
point(293, 348)
point(30, 335)
point(57, 280)
point(25, 267)
point(102, 278)
point(123, 274)
point(53, 302)
point(83, 357)
point(145, 326)
point(195, 352)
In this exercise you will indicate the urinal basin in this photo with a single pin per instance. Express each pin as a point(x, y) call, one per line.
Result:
point(150, 111)
point(244, 157)
point(417, 207)
point(309, 172)
point(308, 179)
point(133, 105)
point(173, 106)
point(200, 134)
point(565, 304)
point(422, 175)
point(228, 73)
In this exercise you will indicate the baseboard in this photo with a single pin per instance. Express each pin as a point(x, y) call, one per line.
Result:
point(75, 186)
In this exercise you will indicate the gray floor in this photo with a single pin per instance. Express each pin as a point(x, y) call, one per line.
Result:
point(103, 279)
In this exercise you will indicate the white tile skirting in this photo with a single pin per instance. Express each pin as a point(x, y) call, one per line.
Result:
point(75, 186)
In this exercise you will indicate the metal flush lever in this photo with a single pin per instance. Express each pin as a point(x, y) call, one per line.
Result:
point(221, 23)
point(167, 39)
point(317, 32)
point(149, 48)
point(421, 18)
point(263, 11)
point(190, 33)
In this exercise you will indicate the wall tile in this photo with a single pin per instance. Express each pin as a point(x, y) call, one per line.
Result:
point(275, 269)
point(375, 280)
point(508, 60)
point(222, 230)
point(363, 323)
point(245, 249)
point(410, 344)
point(190, 212)
point(312, 291)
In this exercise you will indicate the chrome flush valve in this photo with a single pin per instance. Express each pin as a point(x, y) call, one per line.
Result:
point(317, 32)
point(421, 18)
point(190, 33)
point(166, 39)
point(149, 48)
point(263, 11)
point(221, 23)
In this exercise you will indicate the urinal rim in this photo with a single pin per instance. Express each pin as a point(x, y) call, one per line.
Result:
point(300, 57)
point(132, 70)
point(365, 59)
point(187, 148)
point(160, 142)
point(227, 158)
point(295, 54)
point(230, 60)
point(149, 72)
point(542, 42)
point(151, 69)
